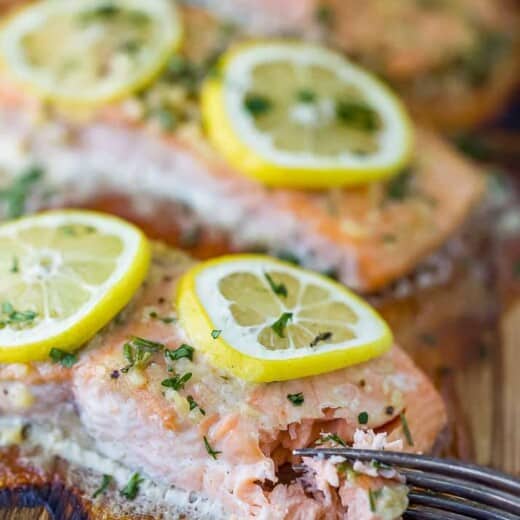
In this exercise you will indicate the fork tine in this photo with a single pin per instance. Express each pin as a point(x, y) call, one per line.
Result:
point(448, 467)
point(463, 489)
point(454, 505)
point(429, 513)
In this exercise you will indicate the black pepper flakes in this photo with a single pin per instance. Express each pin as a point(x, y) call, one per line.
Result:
point(115, 374)
point(389, 410)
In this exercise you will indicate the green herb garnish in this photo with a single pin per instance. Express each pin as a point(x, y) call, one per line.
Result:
point(15, 268)
point(131, 489)
point(16, 195)
point(215, 333)
point(164, 319)
point(323, 15)
point(177, 382)
point(306, 96)
point(65, 359)
point(105, 482)
point(296, 399)
point(277, 288)
point(358, 115)
point(193, 404)
point(256, 104)
point(212, 453)
point(406, 429)
point(372, 500)
point(322, 336)
point(362, 418)
point(332, 437)
point(138, 352)
point(184, 351)
point(279, 325)
point(15, 317)
point(399, 187)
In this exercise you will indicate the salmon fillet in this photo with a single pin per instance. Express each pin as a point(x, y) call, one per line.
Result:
point(367, 237)
point(252, 428)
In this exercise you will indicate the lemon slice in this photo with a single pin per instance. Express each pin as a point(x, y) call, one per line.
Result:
point(299, 115)
point(64, 275)
point(266, 320)
point(89, 51)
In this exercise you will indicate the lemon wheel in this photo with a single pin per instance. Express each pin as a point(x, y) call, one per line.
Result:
point(65, 274)
point(267, 320)
point(299, 115)
point(89, 52)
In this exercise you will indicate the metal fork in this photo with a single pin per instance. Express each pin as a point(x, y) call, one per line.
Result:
point(442, 488)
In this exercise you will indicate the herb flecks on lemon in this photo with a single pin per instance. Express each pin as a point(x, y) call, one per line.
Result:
point(64, 275)
point(92, 52)
point(276, 321)
point(299, 115)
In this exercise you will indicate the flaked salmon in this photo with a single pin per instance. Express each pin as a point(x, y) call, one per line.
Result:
point(229, 439)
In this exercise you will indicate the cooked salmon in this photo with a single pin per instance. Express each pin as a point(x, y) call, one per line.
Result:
point(224, 437)
point(367, 237)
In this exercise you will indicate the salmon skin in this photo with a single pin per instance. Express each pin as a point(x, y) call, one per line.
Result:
point(229, 439)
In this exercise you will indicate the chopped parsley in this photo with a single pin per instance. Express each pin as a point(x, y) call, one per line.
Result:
point(323, 15)
point(15, 268)
point(105, 482)
point(138, 352)
point(15, 317)
point(66, 359)
point(322, 336)
point(131, 489)
point(358, 115)
point(279, 325)
point(177, 382)
point(16, 195)
point(406, 429)
point(164, 319)
point(212, 453)
point(278, 288)
point(399, 187)
point(373, 495)
point(362, 418)
point(296, 399)
point(334, 438)
point(184, 351)
point(287, 256)
point(306, 96)
point(256, 104)
point(193, 404)
point(215, 333)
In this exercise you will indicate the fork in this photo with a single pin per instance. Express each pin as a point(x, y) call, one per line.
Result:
point(442, 488)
